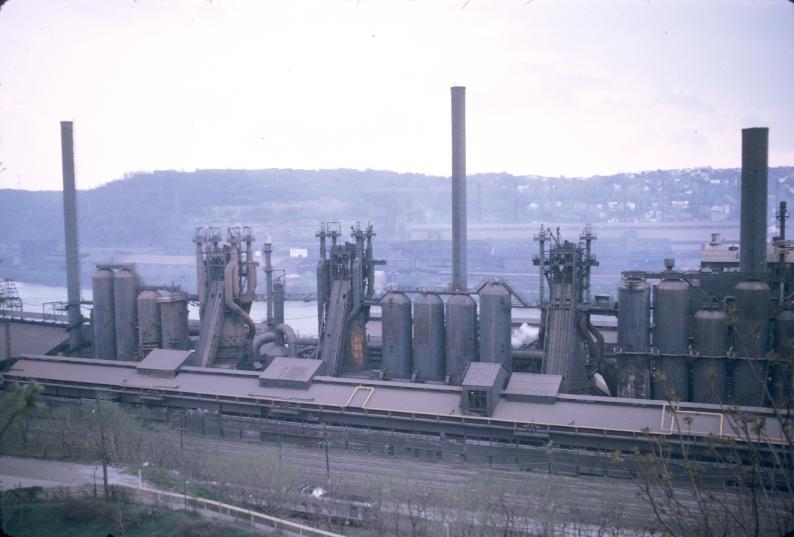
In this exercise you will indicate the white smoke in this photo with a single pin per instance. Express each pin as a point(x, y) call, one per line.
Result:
point(523, 335)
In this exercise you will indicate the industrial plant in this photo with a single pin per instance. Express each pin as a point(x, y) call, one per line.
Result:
point(441, 363)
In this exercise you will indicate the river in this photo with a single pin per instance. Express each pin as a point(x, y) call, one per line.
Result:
point(302, 316)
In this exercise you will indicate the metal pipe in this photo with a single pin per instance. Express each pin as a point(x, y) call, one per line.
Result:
point(285, 331)
point(599, 340)
point(541, 266)
point(259, 340)
point(250, 269)
point(592, 350)
point(267, 249)
point(236, 256)
point(752, 250)
point(782, 215)
point(289, 335)
point(230, 275)
point(70, 238)
point(370, 263)
point(322, 279)
point(278, 302)
point(201, 271)
point(459, 242)
point(357, 290)
point(527, 354)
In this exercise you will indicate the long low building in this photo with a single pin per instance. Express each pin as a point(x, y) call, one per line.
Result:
point(491, 405)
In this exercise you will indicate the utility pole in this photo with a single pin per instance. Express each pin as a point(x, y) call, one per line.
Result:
point(327, 462)
point(102, 448)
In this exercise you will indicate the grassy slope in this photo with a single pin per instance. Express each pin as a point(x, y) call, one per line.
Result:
point(93, 518)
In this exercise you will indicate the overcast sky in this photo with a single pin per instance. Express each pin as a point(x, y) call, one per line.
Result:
point(553, 87)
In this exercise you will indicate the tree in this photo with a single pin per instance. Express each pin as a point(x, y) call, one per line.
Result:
point(16, 402)
point(742, 483)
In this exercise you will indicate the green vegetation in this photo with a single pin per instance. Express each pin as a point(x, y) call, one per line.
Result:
point(15, 403)
point(92, 517)
point(72, 432)
point(174, 481)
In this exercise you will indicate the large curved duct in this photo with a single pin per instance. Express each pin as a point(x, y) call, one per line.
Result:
point(290, 337)
point(285, 331)
point(259, 340)
point(230, 276)
point(599, 340)
point(592, 349)
point(542, 329)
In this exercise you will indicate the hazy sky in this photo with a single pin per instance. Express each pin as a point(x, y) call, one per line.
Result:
point(553, 87)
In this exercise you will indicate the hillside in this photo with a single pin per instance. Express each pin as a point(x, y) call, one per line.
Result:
point(161, 209)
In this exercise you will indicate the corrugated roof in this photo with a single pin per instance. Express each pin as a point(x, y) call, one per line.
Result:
point(164, 360)
point(299, 370)
point(534, 384)
point(481, 374)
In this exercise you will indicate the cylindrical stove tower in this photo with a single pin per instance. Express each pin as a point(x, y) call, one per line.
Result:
point(396, 313)
point(104, 317)
point(429, 337)
point(495, 326)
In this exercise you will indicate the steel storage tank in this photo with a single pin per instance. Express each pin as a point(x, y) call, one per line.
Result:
point(125, 294)
point(396, 331)
point(752, 312)
point(784, 330)
point(751, 343)
point(711, 331)
point(173, 313)
point(671, 314)
point(429, 360)
point(783, 368)
point(461, 340)
point(103, 318)
point(710, 368)
point(750, 376)
point(633, 314)
point(495, 326)
point(149, 321)
point(671, 377)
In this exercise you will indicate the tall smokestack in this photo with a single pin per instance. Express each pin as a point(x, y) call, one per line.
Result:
point(755, 148)
point(459, 273)
point(70, 236)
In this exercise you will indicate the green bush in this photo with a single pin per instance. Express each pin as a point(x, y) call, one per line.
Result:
point(204, 528)
point(81, 510)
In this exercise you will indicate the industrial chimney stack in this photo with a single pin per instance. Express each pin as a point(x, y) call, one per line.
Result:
point(752, 251)
point(70, 236)
point(459, 272)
